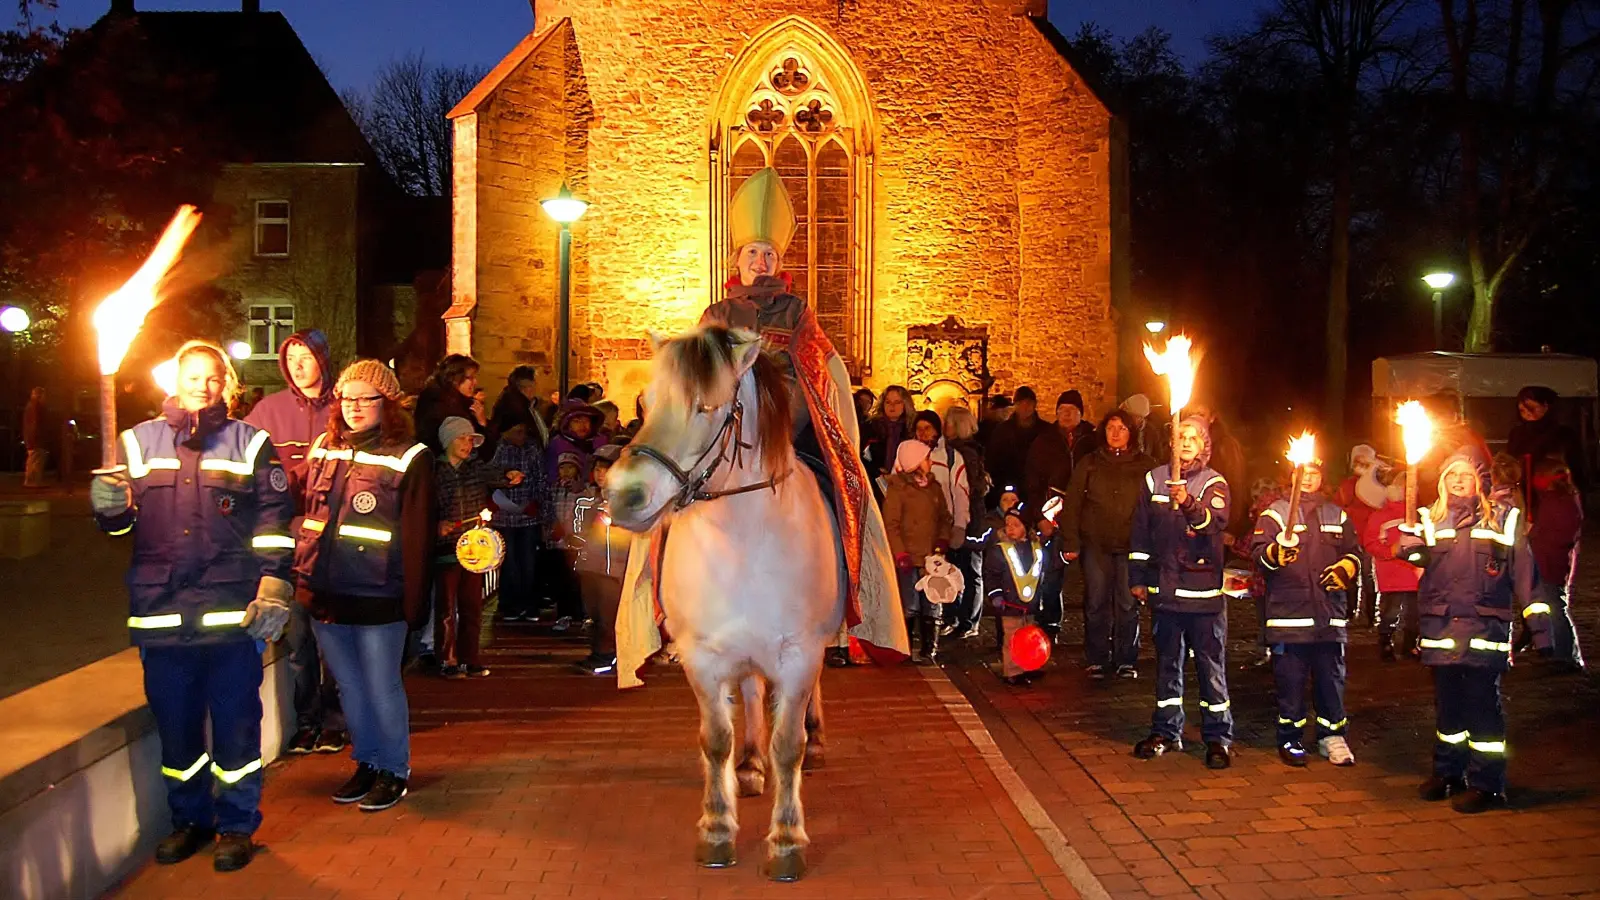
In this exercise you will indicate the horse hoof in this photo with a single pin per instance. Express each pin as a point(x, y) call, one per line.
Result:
point(714, 856)
point(813, 758)
point(751, 782)
point(787, 867)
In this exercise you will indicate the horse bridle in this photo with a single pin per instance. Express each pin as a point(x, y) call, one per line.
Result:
point(692, 487)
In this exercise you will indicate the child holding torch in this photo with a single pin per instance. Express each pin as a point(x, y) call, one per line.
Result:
point(1307, 548)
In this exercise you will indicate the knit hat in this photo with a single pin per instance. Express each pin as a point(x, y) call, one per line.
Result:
point(455, 426)
point(1072, 397)
point(375, 373)
point(569, 457)
point(1024, 393)
point(910, 455)
point(1363, 453)
point(1138, 404)
point(1204, 427)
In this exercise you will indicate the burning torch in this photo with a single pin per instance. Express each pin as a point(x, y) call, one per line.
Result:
point(1174, 363)
point(1416, 433)
point(119, 316)
point(1302, 451)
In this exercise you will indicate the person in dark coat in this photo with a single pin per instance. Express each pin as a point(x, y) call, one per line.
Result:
point(891, 424)
point(1006, 449)
point(1055, 452)
point(517, 403)
point(295, 417)
point(1539, 436)
point(1310, 566)
point(1557, 527)
point(449, 392)
point(1478, 577)
point(1097, 525)
point(1175, 557)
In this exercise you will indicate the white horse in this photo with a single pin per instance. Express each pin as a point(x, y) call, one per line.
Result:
point(750, 579)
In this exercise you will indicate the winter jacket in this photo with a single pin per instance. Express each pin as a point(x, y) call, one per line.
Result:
point(1393, 574)
point(1554, 536)
point(1531, 442)
point(435, 404)
point(880, 439)
point(603, 547)
point(1299, 610)
point(917, 518)
point(293, 419)
point(950, 471)
point(210, 516)
point(1178, 554)
point(978, 485)
point(1050, 461)
point(1006, 451)
point(1358, 511)
point(1478, 577)
point(1014, 573)
point(564, 441)
point(1106, 489)
point(564, 496)
point(365, 549)
point(511, 504)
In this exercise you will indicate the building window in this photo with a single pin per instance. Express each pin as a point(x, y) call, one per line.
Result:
point(272, 228)
point(792, 120)
point(270, 326)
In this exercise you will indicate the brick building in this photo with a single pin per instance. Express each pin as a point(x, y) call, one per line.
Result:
point(946, 160)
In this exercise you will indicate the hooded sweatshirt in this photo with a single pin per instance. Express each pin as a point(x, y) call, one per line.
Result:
point(290, 417)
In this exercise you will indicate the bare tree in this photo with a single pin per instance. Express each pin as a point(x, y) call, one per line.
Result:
point(1523, 75)
point(1347, 40)
point(403, 116)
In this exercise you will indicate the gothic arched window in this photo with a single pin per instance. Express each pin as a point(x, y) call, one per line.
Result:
point(792, 119)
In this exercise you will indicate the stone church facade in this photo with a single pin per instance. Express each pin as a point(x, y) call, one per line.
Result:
point(958, 184)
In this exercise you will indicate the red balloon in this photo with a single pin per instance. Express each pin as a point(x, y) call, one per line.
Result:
point(1030, 647)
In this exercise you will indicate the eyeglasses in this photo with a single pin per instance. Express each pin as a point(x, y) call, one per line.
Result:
point(359, 402)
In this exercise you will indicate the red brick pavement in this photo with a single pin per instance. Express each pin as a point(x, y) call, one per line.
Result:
point(1172, 828)
point(540, 783)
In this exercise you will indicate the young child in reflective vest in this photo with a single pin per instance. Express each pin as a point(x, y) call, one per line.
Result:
point(1016, 564)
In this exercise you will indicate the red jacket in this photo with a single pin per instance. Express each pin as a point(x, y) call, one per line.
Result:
point(1379, 536)
point(1358, 511)
point(1554, 536)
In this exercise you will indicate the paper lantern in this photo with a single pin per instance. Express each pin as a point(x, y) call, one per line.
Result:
point(1030, 647)
point(480, 549)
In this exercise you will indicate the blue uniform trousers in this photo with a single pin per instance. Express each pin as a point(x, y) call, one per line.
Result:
point(221, 788)
point(1174, 634)
point(1471, 741)
point(1323, 663)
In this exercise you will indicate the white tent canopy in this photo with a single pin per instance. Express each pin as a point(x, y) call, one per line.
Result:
point(1482, 374)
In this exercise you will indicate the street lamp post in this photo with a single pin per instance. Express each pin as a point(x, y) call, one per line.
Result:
point(1438, 281)
point(565, 209)
point(13, 321)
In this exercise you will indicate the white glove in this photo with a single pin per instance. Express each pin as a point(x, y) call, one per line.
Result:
point(268, 614)
point(109, 495)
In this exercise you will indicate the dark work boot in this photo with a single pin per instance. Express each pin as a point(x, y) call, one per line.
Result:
point(1386, 648)
point(182, 843)
point(928, 632)
point(1440, 788)
point(234, 852)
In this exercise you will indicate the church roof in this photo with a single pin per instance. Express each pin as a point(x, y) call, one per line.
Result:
point(502, 70)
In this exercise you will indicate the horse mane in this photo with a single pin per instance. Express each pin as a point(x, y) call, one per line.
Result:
point(698, 368)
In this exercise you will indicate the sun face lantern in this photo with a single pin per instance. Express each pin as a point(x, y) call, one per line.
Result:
point(480, 549)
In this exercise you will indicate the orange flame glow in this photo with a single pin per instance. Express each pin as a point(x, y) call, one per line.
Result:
point(166, 377)
point(119, 316)
point(1174, 363)
point(1303, 449)
point(1416, 430)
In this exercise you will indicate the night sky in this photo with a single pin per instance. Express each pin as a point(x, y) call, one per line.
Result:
point(353, 38)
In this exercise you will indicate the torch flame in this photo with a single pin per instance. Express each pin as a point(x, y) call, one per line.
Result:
point(1303, 449)
point(1175, 364)
point(1416, 430)
point(119, 316)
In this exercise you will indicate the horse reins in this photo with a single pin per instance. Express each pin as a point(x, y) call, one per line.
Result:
point(693, 486)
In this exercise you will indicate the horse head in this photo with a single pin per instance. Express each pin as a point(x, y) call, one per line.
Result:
point(716, 417)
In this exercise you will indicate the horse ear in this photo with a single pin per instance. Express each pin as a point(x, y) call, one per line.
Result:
point(746, 348)
point(656, 340)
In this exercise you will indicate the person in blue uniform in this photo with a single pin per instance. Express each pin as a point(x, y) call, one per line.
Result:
point(1309, 565)
point(208, 508)
point(1478, 577)
point(1175, 564)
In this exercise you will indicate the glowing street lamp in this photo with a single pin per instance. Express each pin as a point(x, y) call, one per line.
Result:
point(239, 350)
point(14, 319)
point(565, 209)
point(1438, 281)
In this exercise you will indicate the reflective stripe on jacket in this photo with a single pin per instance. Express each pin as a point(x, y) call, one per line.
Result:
point(349, 541)
point(1299, 611)
point(1177, 554)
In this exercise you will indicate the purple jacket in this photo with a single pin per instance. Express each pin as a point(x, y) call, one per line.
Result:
point(291, 418)
point(563, 441)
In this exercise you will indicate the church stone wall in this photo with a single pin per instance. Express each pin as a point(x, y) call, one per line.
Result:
point(991, 183)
